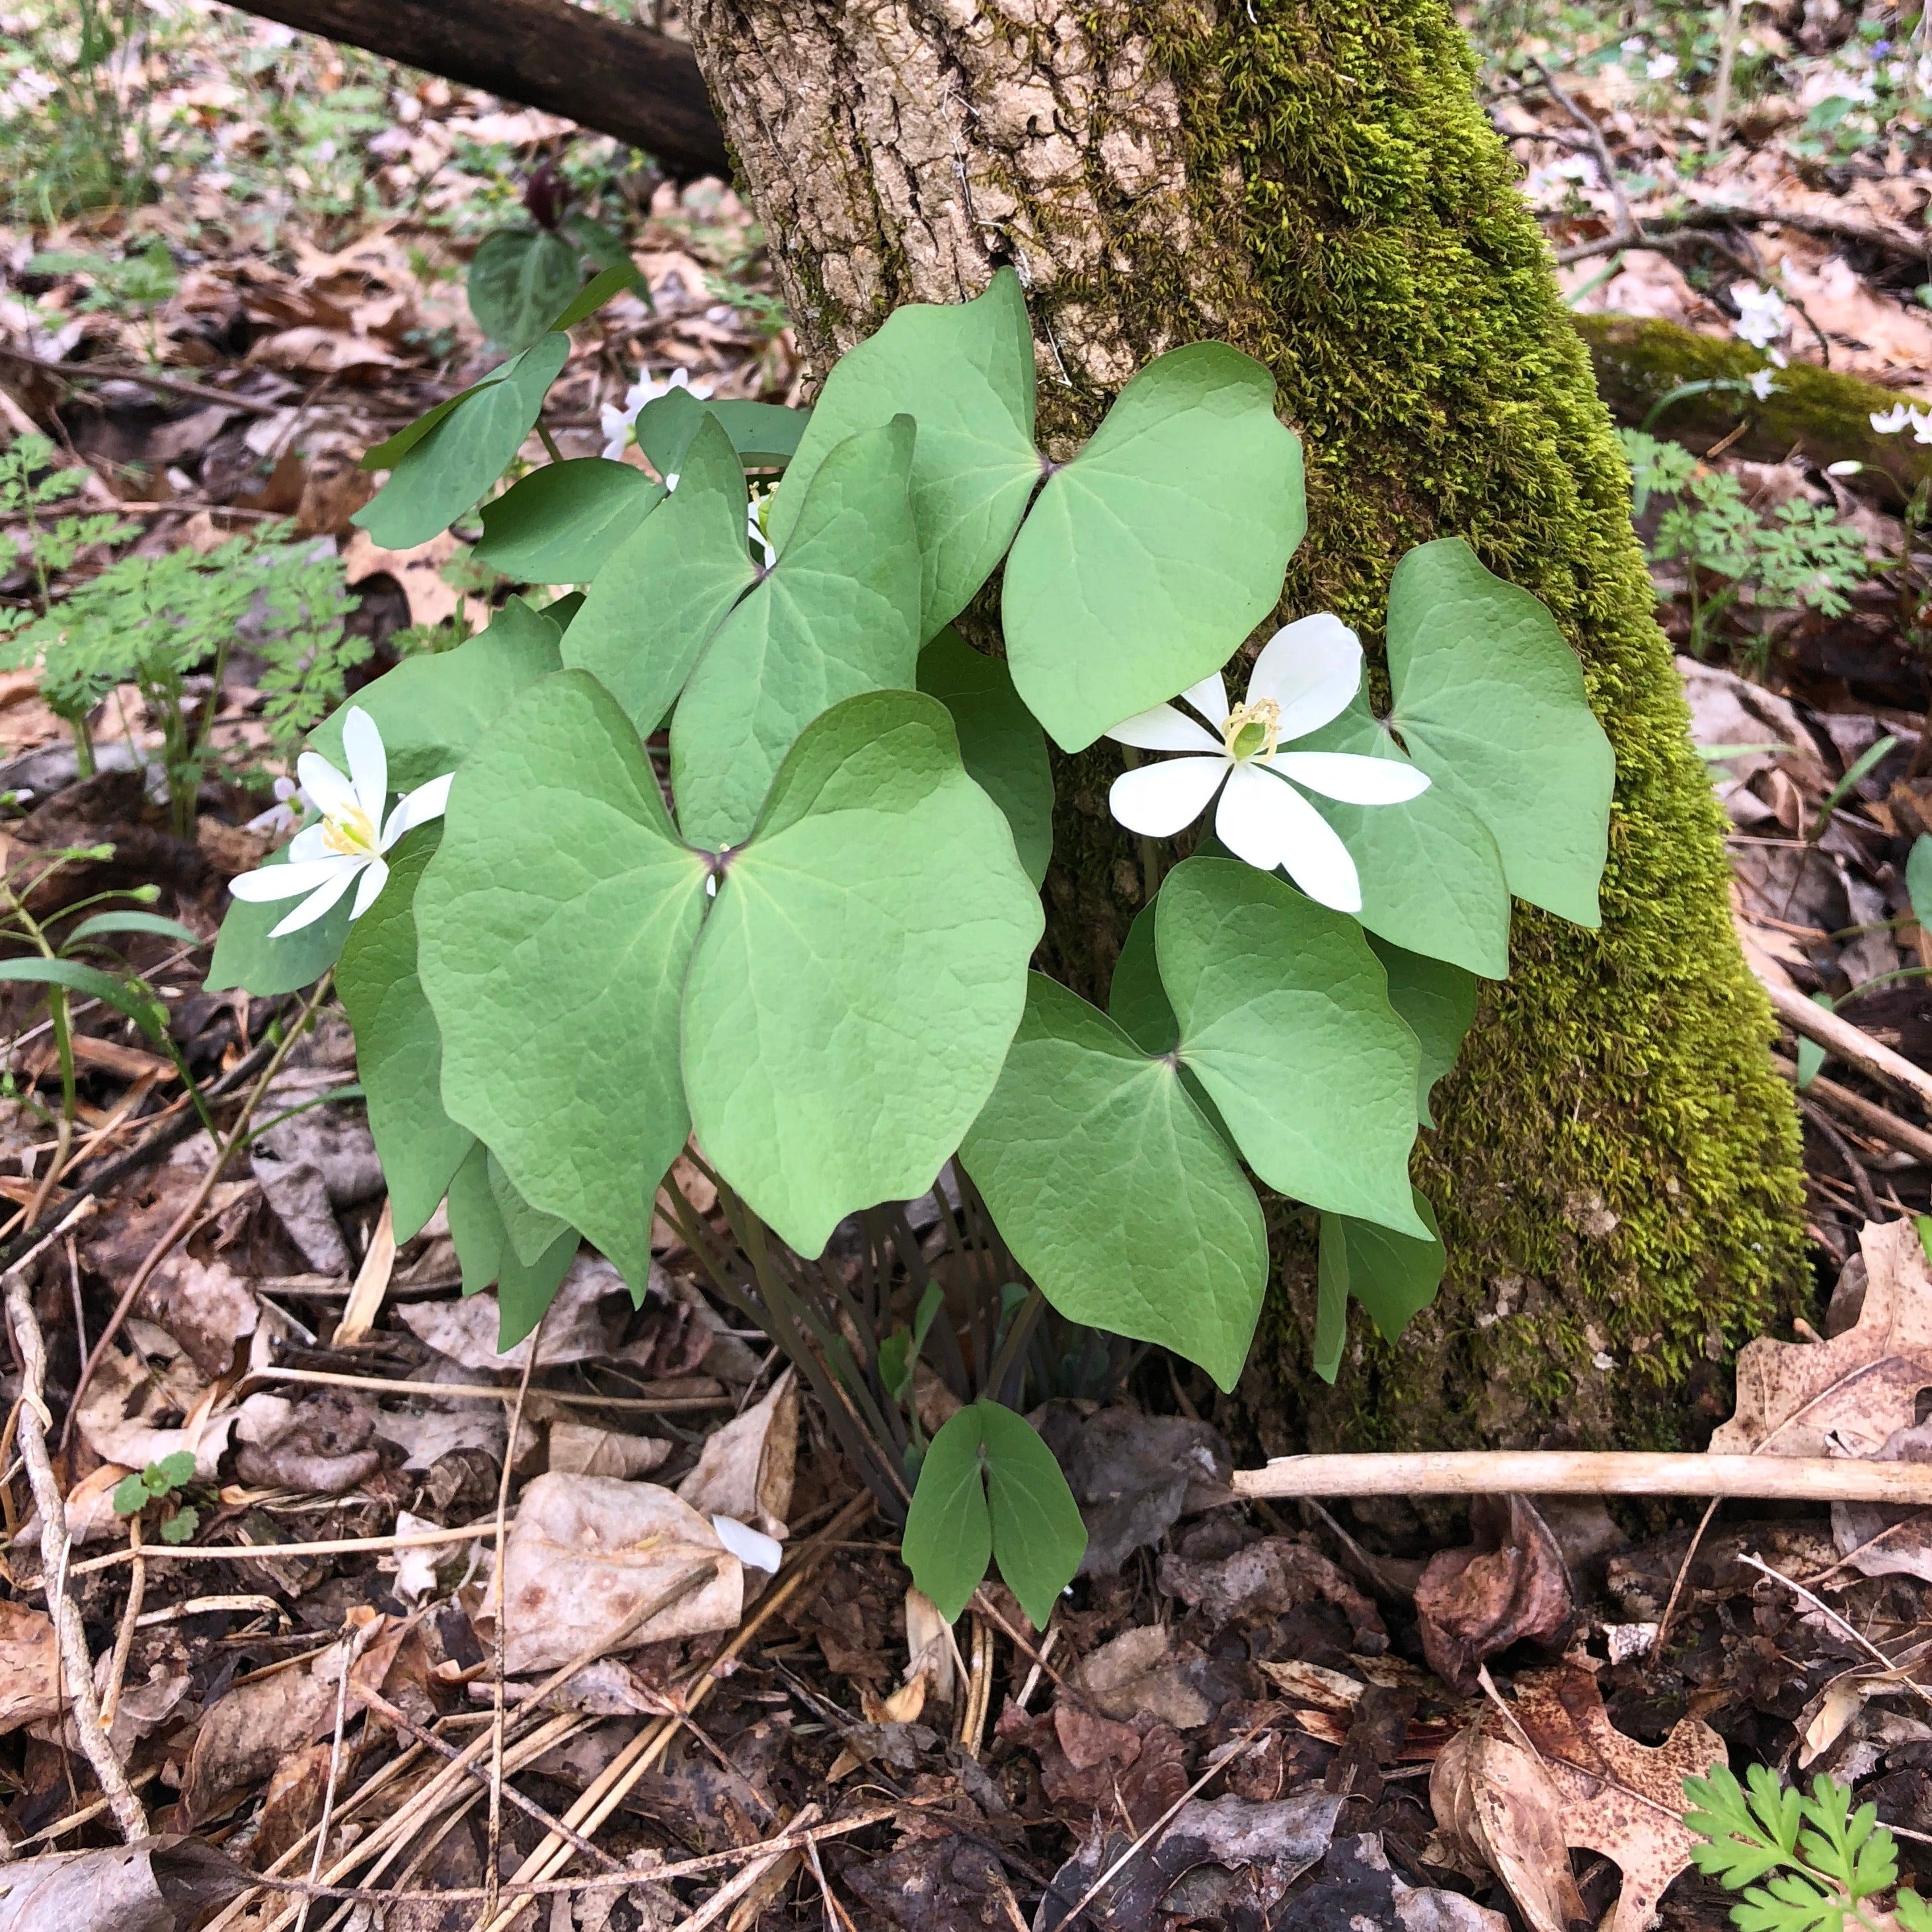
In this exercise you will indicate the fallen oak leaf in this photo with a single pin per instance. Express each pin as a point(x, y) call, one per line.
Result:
point(1493, 1798)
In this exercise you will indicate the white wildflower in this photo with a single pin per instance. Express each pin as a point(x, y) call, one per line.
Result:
point(1762, 319)
point(618, 423)
point(1660, 67)
point(291, 807)
point(1763, 384)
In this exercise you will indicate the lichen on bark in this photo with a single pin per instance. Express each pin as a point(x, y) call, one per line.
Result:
point(1313, 181)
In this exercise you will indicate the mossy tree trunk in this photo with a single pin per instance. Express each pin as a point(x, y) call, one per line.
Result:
point(1312, 181)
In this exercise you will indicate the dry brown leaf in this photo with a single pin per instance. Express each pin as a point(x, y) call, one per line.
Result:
point(153, 1886)
point(1847, 1396)
point(245, 1736)
point(745, 1470)
point(114, 1419)
point(419, 572)
point(1495, 1800)
point(576, 1449)
point(29, 1667)
point(583, 1321)
point(1510, 1585)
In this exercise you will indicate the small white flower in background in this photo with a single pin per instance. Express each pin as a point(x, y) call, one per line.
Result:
point(618, 423)
point(290, 808)
point(1847, 468)
point(1661, 67)
point(1762, 383)
point(326, 859)
point(752, 1547)
point(1306, 675)
point(1902, 415)
point(1762, 319)
point(754, 523)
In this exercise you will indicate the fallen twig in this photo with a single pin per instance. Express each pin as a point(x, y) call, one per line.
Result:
point(1852, 1044)
point(1563, 1472)
point(669, 1405)
point(1880, 1122)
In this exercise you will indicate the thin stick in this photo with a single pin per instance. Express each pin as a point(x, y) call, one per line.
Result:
point(358, 1643)
point(1825, 1610)
point(1720, 93)
point(1854, 1169)
point(230, 1552)
point(727, 1895)
point(164, 385)
point(1580, 1473)
point(1683, 1571)
point(76, 1667)
point(1851, 1044)
point(1878, 1121)
point(668, 1405)
point(130, 1618)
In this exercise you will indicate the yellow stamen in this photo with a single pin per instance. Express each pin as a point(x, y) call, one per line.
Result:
point(351, 833)
point(1252, 729)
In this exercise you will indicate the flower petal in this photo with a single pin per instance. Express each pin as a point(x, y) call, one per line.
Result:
point(1159, 799)
point(1164, 729)
point(1311, 668)
point(375, 877)
point(319, 902)
point(310, 842)
point(335, 797)
point(1353, 779)
point(1265, 820)
point(1209, 697)
point(417, 808)
point(290, 881)
point(368, 762)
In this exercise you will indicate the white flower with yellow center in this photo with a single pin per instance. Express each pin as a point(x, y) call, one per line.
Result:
point(347, 845)
point(1304, 678)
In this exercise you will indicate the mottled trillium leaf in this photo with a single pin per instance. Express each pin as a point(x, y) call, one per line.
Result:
point(519, 278)
point(1394, 1277)
point(838, 614)
point(555, 924)
point(1148, 558)
point(1115, 1192)
point(532, 1233)
point(398, 1050)
point(860, 976)
point(964, 371)
point(431, 709)
point(484, 1253)
point(1285, 1020)
point(560, 524)
point(1004, 750)
point(1490, 702)
point(989, 1486)
point(666, 589)
point(1431, 876)
point(443, 471)
point(245, 956)
point(1437, 1002)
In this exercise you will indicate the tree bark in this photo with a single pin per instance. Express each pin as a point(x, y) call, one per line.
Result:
point(640, 86)
point(1312, 180)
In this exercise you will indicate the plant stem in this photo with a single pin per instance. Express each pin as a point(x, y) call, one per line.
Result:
point(550, 442)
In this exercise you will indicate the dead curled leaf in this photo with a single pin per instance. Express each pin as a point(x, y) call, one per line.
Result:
point(1510, 1585)
point(29, 1666)
point(1560, 1777)
point(155, 1886)
point(745, 1470)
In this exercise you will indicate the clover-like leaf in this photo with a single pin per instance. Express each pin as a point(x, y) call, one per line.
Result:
point(863, 969)
point(1285, 1019)
point(964, 371)
point(1490, 701)
point(664, 591)
point(560, 523)
point(398, 1048)
point(1148, 559)
point(838, 614)
point(554, 926)
point(1113, 1191)
point(1004, 750)
point(1394, 1277)
point(519, 278)
point(443, 472)
point(486, 1254)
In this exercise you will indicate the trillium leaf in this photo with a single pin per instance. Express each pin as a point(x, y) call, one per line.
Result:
point(964, 371)
point(1437, 1002)
point(431, 709)
point(1148, 558)
point(1285, 1020)
point(555, 924)
point(446, 469)
point(1490, 701)
point(519, 278)
point(532, 1233)
point(398, 1050)
point(1394, 1277)
point(663, 591)
point(1431, 876)
point(838, 614)
point(1114, 1192)
point(559, 524)
point(948, 1531)
point(245, 956)
point(861, 973)
point(484, 1252)
point(1004, 750)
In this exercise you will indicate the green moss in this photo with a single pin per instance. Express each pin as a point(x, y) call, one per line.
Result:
point(1616, 1169)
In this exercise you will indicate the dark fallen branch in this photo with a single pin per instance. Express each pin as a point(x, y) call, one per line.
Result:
point(642, 87)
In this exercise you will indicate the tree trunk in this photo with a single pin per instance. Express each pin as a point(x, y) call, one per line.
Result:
point(1312, 180)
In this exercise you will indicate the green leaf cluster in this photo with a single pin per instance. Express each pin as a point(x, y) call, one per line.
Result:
point(157, 1483)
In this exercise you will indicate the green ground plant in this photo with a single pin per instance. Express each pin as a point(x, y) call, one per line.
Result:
point(158, 1487)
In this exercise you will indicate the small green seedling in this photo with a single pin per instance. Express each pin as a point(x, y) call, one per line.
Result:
point(159, 1483)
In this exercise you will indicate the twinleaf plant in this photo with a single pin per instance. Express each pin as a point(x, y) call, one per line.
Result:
point(739, 874)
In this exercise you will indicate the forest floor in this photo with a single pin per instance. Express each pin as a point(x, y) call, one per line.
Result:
point(1237, 1717)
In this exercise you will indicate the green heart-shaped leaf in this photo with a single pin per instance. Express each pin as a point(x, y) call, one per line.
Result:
point(532, 1233)
point(862, 972)
point(1114, 1192)
point(560, 523)
point(1137, 1003)
point(1437, 1002)
point(245, 956)
point(445, 471)
point(964, 371)
point(485, 1252)
point(1285, 1020)
point(668, 587)
point(555, 924)
point(836, 615)
point(1394, 1277)
point(398, 1050)
point(1491, 702)
point(519, 278)
point(1004, 750)
point(1148, 558)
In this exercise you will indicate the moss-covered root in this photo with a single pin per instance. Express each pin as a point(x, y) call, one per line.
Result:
point(1616, 1169)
